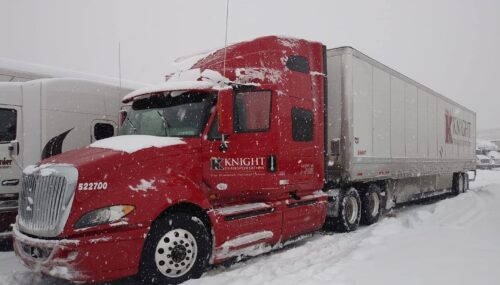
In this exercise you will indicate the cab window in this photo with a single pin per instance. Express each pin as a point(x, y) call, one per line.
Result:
point(103, 131)
point(302, 125)
point(252, 111)
point(8, 125)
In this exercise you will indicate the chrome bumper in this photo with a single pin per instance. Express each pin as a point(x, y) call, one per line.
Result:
point(9, 203)
point(5, 235)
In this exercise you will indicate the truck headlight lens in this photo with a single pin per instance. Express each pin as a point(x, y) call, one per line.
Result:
point(103, 216)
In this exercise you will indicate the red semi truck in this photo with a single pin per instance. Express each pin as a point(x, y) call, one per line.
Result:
point(254, 146)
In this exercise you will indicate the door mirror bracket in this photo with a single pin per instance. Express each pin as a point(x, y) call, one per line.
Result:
point(14, 148)
point(225, 107)
point(223, 147)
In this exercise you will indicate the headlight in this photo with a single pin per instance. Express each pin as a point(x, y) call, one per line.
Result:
point(103, 216)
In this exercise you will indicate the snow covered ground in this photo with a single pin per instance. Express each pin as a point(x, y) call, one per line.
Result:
point(450, 241)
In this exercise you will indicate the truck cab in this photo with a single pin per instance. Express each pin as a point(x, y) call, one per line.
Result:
point(222, 161)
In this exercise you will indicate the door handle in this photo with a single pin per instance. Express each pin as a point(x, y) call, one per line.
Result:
point(272, 163)
point(10, 182)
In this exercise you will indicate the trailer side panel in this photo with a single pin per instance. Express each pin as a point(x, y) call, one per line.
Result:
point(389, 126)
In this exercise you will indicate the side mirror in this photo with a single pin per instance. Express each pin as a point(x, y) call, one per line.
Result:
point(14, 148)
point(122, 116)
point(225, 105)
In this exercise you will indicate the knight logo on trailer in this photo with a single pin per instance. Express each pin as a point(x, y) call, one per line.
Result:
point(458, 131)
point(237, 163)
point(5, 163)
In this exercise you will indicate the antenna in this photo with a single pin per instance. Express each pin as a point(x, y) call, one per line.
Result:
point(225, 40)
point(120, 66)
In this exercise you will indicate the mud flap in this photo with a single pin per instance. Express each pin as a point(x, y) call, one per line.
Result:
point(475, 174)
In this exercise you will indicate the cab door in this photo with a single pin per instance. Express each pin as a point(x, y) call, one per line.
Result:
point(247, 170)
point(10, 149)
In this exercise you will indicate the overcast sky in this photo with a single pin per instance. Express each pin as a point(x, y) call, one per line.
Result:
point(452, 46)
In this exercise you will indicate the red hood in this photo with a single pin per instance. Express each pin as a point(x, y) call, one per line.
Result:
point(121, 170)
point(87, 156)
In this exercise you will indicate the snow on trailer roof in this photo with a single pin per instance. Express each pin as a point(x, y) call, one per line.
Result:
point(14, 70)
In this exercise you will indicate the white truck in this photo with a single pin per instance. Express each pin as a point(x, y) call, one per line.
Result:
point(44, 117)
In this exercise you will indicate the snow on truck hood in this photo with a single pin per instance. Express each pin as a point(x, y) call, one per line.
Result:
point(133, 143)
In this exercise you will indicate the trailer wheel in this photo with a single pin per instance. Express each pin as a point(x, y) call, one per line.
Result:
point(458, 183)
point(466, 182)
point(177, 249)
point(462, 182)
point(370, 205)
point(349, 211)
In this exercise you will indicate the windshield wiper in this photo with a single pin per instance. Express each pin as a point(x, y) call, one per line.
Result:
point(131, 124)
point(166, 126)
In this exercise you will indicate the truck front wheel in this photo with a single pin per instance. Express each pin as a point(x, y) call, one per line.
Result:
point(177, 249)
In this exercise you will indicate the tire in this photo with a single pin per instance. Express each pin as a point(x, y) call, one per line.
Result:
point(461, 184)
point(6, 244)
point(176, 249)
point(371, 205)
point(457, 184)
point(466, 182)
point(349, 211)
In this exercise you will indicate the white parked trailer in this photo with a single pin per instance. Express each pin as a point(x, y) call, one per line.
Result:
point(44, 117)
point(19, 71)
point(384, 126)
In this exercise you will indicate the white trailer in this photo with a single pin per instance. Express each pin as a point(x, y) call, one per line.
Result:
point(19, 71)
point(42, 118)
point(385, 129)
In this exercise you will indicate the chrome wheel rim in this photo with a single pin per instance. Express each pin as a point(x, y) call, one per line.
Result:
point(176, 253)
point(352, 210)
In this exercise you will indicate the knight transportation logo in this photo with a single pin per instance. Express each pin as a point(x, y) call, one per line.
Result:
point(458, 131)
point(237, 163)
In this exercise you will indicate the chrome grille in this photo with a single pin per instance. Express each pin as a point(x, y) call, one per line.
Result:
point(44, 202)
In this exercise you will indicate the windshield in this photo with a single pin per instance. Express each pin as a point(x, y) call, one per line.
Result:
point(167, 116)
